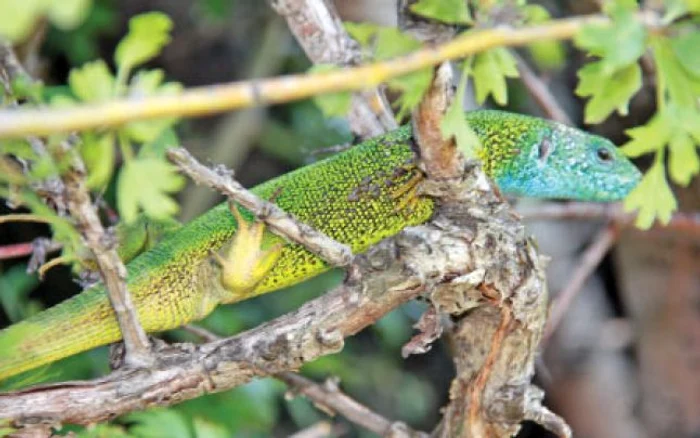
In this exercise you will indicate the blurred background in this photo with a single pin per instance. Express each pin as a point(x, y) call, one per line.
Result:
point(625, 362)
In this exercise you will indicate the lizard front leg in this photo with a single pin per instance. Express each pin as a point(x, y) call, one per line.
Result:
point(245, 263)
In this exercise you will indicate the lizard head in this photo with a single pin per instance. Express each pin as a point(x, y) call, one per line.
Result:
point(528, 156)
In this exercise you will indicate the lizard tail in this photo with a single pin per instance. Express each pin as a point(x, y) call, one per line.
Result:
point(78, 324)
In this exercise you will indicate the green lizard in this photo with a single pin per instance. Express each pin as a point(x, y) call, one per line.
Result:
point(357, 197)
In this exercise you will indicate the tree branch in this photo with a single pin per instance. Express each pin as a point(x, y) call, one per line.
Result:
point(77, 199)
point(689, 222)
point(328, 397)
point(198, 101)
point(278, 220)
point(499, 305)
point(319, 30)
point(587, 264)
point(187, 371)
point(111, 267)
point(333, 400)
point(540, 92)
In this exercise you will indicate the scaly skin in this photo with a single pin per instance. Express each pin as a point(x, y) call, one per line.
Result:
point(358, 197)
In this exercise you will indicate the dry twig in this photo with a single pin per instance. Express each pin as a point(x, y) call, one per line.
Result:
point(279, 221)
point(319, 30)
point(333, 400)
point(328, 397)
point(588, 263)
point(540, 92)
point(687, 222)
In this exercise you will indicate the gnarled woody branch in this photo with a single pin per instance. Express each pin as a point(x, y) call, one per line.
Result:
point(504, 291)
point(473, 248)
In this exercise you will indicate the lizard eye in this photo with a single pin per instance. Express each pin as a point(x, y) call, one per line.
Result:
point(604, 155)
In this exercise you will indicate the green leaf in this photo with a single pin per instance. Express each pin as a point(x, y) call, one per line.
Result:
point(490, 72)
point(447, 11)
point(67, 14)
point(145, 184)
point(608, 92)
point(148, 34)
point(157, 148)
point(548, 55)
point(331, 104)
point(159, 423)
point(693, 6)
point(18, 148)
point(99, 155)
point(93, 82)
point(652, 196)
point(148, 83)
point(361, 32)
point(619, 43)
point(16, 285)
point(413, 87)
point(454, 123)
point(650, 137)
point(673, 10)
point(678, 128)
point(683, 160)
point(207, 429)
point(682, 89)
point(18, 17)
point(103, 431)
point(24, 87)
point(685, 47)
point(391, 42)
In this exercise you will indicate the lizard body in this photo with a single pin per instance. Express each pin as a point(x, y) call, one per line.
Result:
point(358, 197)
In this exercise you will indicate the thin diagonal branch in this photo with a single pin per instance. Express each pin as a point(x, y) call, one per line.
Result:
point(319, 30)
point(111, 267)
point(279, 221)
point(332, 399)
point(540, 92)
point(689, 222)
point(587, 264)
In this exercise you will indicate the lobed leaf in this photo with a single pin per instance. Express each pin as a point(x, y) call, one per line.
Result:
point(490, 71)
point(145, 183)
point(652, 197)
point(454, 124)
point(447, 11)
point(93, 82)
point(608, 92)
point(148, 34)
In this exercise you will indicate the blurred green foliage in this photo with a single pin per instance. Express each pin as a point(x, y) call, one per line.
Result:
point(131, 161)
